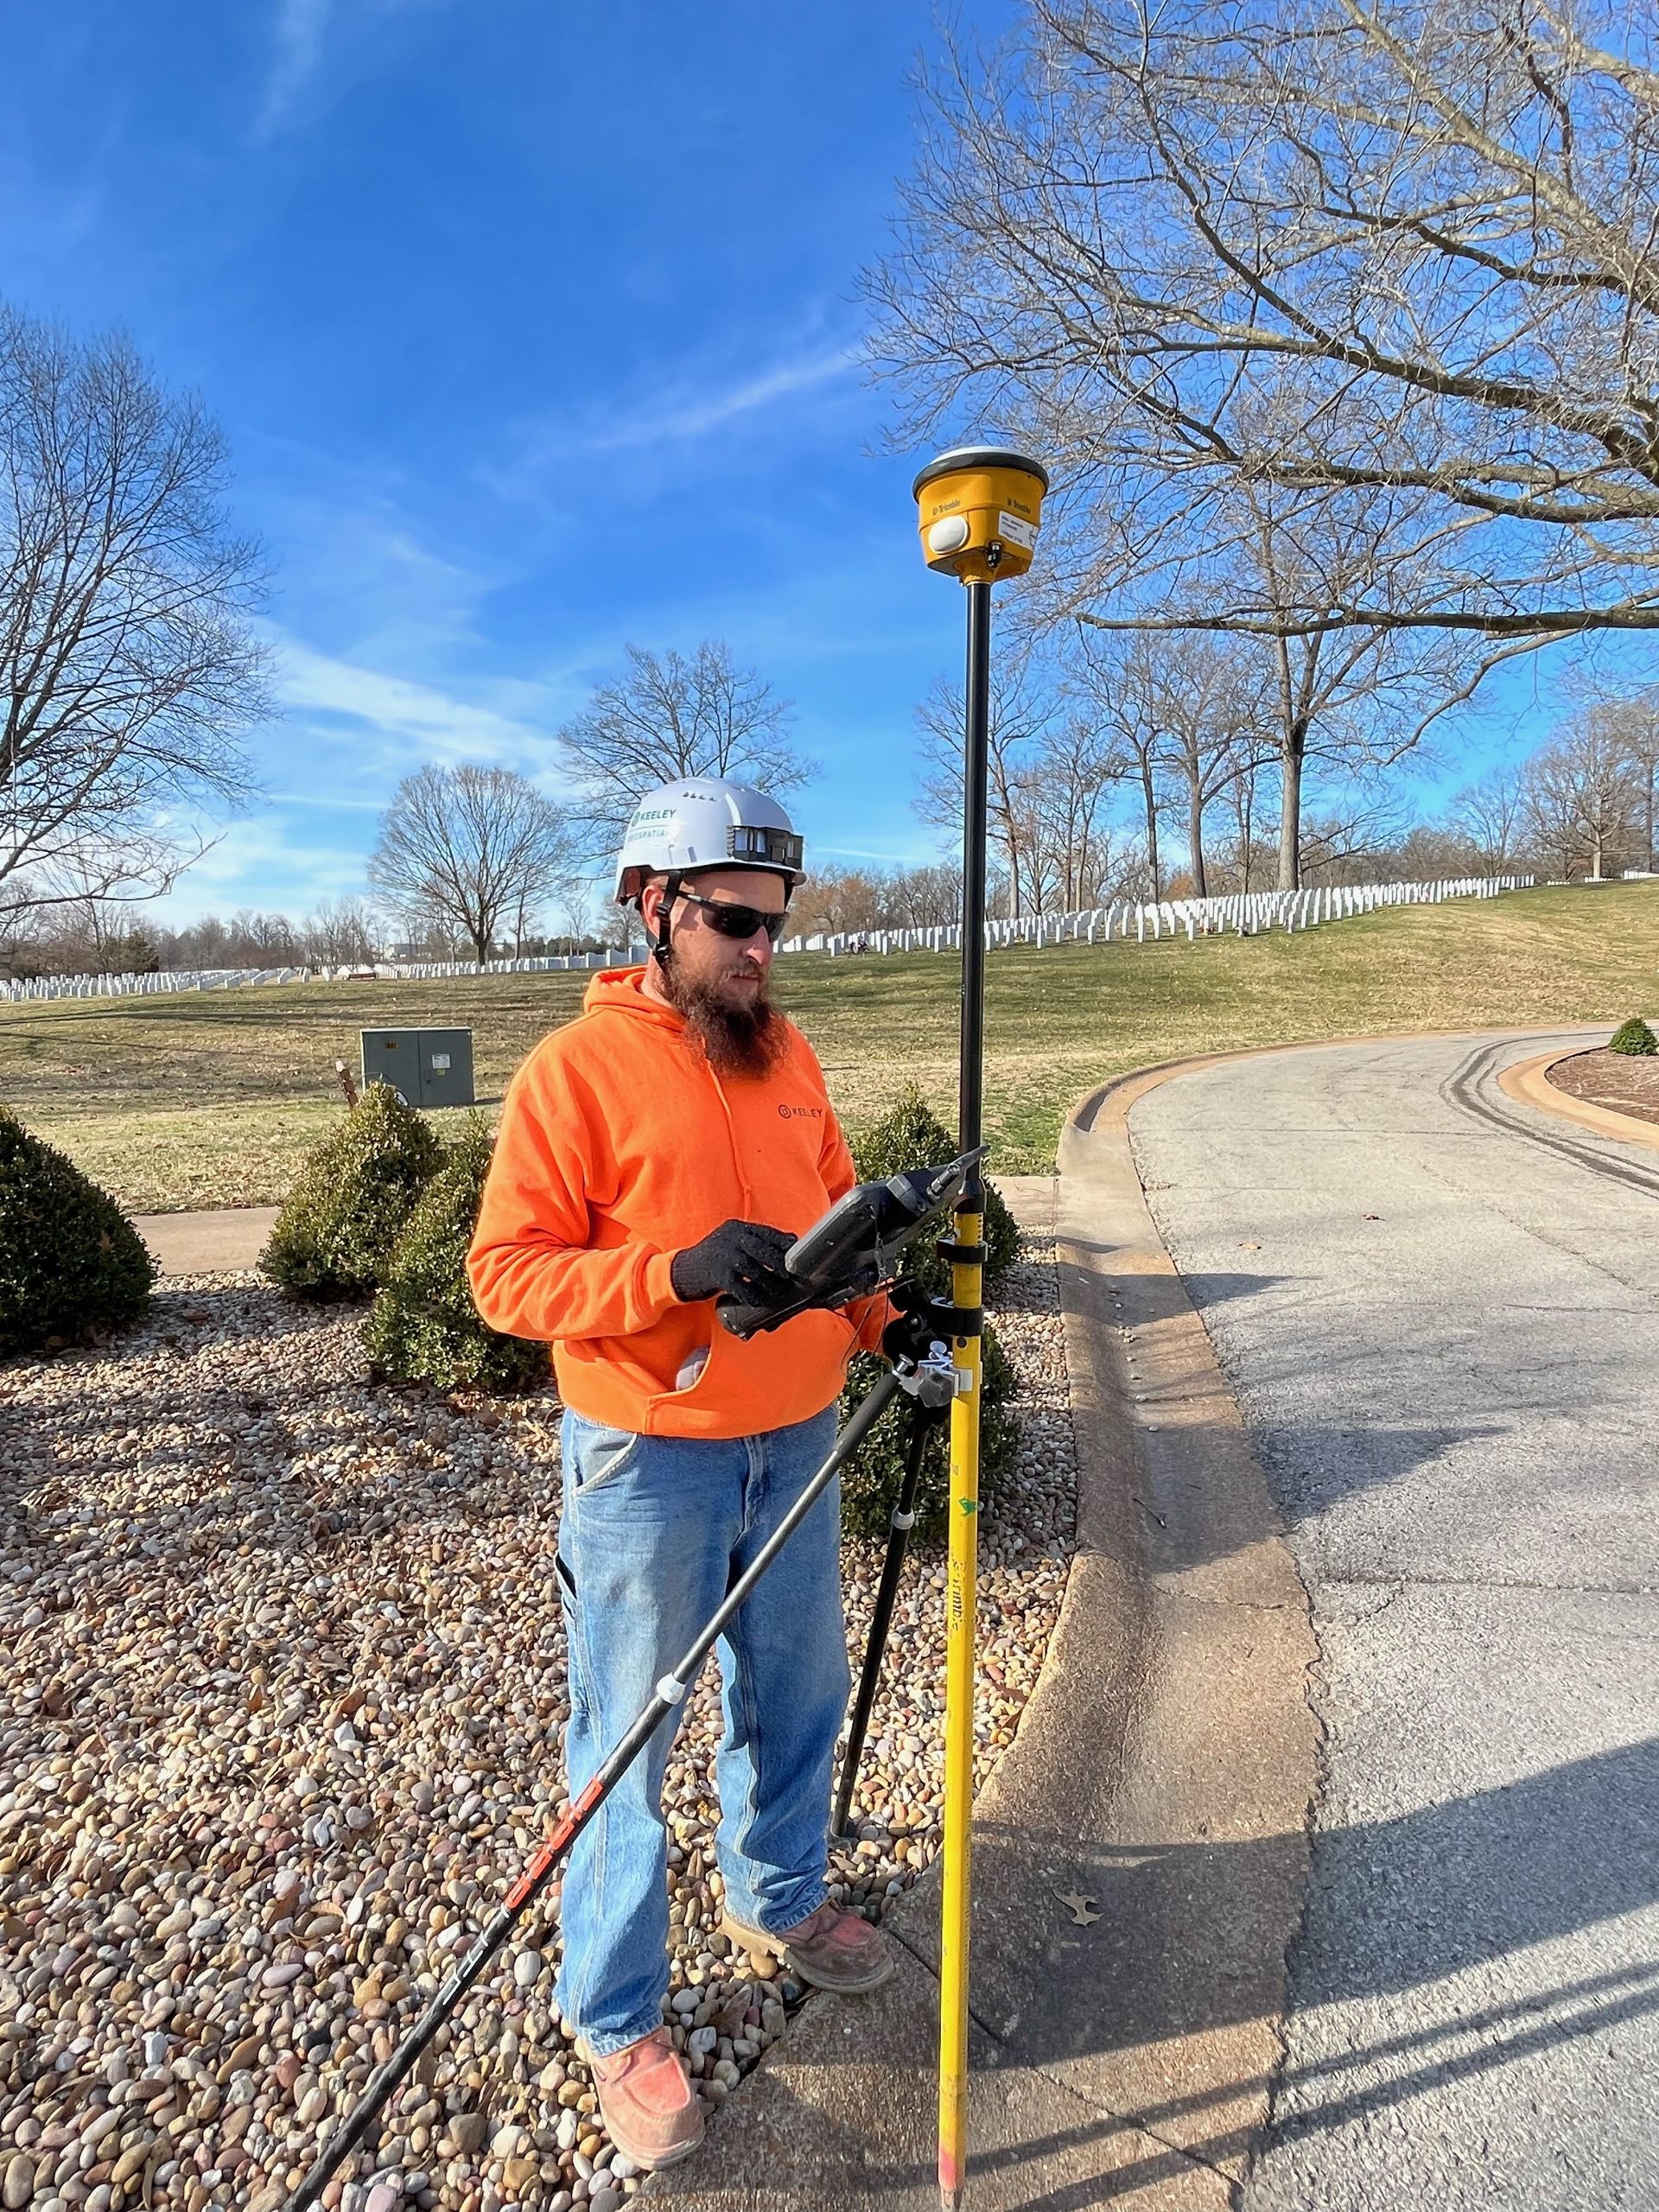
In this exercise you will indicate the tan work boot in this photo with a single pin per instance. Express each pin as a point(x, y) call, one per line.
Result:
point(830, 1948)
point(646, 2101)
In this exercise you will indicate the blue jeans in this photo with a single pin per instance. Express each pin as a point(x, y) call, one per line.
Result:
point(654, 1530)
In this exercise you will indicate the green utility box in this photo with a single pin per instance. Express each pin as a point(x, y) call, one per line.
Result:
point(428, 1067)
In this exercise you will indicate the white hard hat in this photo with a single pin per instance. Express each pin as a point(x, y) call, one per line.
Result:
point(704, 822)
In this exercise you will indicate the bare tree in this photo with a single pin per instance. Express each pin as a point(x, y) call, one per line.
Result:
point(1211, 702)
point(1630, 725)
point(266, 939)
point(1487, 816)
point(128, 669)
point(1021, 709)
point(1241, 800)
point(1184, 710)
point(1116, 677)
point(673, 715)
point(1371, 248)
point(1077, 769)
point(1353, 699)
point(1582, 800)
point(341, 933)
point(1357, 844)
point(1349, 703)
point(473, 847)
point(928, 897)
point(847, 900)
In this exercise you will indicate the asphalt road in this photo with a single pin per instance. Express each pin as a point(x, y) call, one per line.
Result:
point(1440, 1310)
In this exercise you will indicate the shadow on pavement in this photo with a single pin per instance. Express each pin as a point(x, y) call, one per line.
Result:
point(1545, 1859)
point(1536, 1861)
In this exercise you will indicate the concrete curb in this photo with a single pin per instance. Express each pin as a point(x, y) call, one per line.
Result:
point(1528, 1082)
point(1141, 1852)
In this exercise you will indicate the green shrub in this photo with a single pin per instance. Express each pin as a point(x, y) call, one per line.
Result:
point(423, 1326)
point(870, 1486)
point(350, 1201)
point(1634, 1036)
point(912, 1136)
point(71, 1262)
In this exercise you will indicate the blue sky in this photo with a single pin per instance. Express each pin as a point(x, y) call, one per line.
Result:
point(532, 329)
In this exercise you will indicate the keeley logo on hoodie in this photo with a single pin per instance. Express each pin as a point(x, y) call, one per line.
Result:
point(800, 1113)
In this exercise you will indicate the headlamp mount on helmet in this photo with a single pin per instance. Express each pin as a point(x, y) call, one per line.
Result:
point(703, 822)
point(759, 843)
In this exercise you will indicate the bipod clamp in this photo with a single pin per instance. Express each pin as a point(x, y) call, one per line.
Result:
point(932, 1382)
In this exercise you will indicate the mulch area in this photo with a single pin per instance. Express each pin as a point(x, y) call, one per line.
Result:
point(1626, 1082)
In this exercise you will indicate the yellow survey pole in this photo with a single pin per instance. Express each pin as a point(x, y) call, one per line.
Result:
point(980, 508)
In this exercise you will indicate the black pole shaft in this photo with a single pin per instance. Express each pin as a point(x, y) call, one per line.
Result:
point(976, 736)
point(898, 1527)
point(386, 2079)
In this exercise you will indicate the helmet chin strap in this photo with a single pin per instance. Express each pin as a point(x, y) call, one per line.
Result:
point(661, 950)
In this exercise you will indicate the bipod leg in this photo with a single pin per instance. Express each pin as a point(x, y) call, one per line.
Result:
point(923, 1421)
point(386, 2079)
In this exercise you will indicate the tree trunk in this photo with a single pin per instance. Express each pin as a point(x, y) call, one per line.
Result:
point(1152, 830)
point(1290, 807)
point(1195, 834)
point(1011, 846)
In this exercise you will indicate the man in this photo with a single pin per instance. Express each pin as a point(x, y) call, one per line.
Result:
point(663, 1150)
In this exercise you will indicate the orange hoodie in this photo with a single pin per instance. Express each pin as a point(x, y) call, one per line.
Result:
point(619, 1147)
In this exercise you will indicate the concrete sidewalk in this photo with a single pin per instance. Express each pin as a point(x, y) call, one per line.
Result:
point(227, 1241)
point(1140, 1851)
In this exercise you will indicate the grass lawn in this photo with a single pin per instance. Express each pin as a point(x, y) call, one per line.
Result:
point(212, 1099)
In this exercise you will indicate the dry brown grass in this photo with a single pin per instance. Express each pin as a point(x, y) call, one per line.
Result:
point(211, 1100)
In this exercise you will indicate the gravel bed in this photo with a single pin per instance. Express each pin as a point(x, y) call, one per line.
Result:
point(1628, 1082)
point(286, 1678)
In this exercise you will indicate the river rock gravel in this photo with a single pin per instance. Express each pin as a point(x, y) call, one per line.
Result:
point(285, 1697)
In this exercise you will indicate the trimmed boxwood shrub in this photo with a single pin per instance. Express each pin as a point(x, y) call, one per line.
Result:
point(71, 1263)
point(912, 1136)
point(1634, 1036)
point(423, 1326)
point(350, 1201)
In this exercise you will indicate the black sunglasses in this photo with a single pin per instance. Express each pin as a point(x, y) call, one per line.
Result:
point(737, 921)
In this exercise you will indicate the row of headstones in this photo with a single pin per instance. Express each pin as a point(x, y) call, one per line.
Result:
point(1245, 912)
point(165, 981)
point(160, 984)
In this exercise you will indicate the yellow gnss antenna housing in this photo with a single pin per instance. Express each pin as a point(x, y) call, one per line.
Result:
point(979, 510)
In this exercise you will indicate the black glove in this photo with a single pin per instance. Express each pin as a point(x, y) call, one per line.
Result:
point(920, 1324)
point(740, 1259)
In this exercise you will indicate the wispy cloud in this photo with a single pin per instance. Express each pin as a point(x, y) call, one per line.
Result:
point(680, 412)
point(256, 863)
point(906, 856)
point(318, 803)
point(408, 722)
point(668, 417)
point(296, 53)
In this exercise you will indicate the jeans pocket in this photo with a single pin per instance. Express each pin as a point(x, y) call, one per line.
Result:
point(601, 1454)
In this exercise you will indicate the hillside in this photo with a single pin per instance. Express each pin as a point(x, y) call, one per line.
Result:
point(211, 1099)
